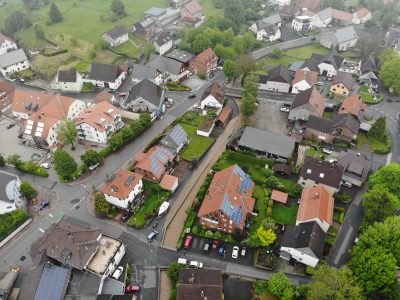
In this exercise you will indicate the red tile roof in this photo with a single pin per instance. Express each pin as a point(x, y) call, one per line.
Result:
point(193, 7)
point(5, 38)
point(224, 115)
point(353, 105)
point(121, 185)
point(310, 77)
point(99, 115)
point(362, 12)
point(154, 161)
point(279, 196)
point(168, 182)
point(341, 15)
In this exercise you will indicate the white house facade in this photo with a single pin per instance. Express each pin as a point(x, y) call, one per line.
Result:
point(272, 34)
point(300, 86)
point(279, 3)
point(116, 36)
point(13, 62)
point(361, 16)
point(327, 69)
point(124, 203)
point(67, 81)
point(308, 258)
point(6, 44)
point(163, 43)
point(302, 23)
point(10, 194)
point(322, 18)
point(210, 102)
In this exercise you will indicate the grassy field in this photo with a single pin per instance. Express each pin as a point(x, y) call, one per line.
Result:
point(197, 147)
point(376, 146)
point(190, 129)
point(315, 153)
point(328, 114)
point(209, 10)
point(283, 214)
point(261, 206)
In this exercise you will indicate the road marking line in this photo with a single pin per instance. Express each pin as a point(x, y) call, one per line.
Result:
point(51, 215)
point(41, 229)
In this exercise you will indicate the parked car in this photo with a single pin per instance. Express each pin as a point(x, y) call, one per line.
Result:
point(45, 165)
point(215, 244)
point(188, 241)
point(126, 216)
point(43, 204)
point(313, 38)
point(346, 184)
point(196, 106)
point(243, 252)
point(220, 68)
point(191, 95)
point(332, 160)
point(22, 80)
point(196, 264)
point(211, 75)
point(207, 246)
point(285, 109)
point(152, 236)
point(11, 125)
point(235, 252)
point(118, 272)
point(182, 261)
point(132, 289)
point(327, 151)
point(248, 224)
point(221, 249)
point(320, 83)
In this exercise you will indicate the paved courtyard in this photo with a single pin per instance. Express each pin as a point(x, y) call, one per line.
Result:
point(268, 117)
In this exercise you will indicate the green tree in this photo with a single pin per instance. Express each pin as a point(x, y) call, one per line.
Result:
point(244, 64)
point(15, 21)
point(387, 55)
point(145, 120)
point(39, 32)
point(201, 43)
point(2, 160)
point(337, 4)
point(249, 96)
point(266, 236)
point(27, 190)
point(116, 141)
point(234, 10)
point(211, 114)
point(387, 176)
point(390, 74)
point(14, 160)
point(67, 132)
point(229, 69)
point(127, 133)
point(378, 130)
point(118, 8)
point(173, 272)
point(330, 283)
point(101, 206)
point(55, 14)
point(277, 53)
point(64, 164)
point(278, 284)
point(91, 157)
point(268, 223)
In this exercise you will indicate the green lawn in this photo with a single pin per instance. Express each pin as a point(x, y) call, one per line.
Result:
point(376, 146)
point(328, 114)
point(197, 147)
point(331, 235)
point(192, 118)
point(315, 153)
point(367, 97)
point(283, 214)
point(209, 10)
point(190, 129)
point(260, 205)
point(338, 214)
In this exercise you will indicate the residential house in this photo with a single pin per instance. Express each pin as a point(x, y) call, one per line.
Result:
point(279, 79)
point(307, 103)
point(42, 114)
point(303, 80)
point(181, 55)
point(356, 167)
point(140, 72)
point(330, 64)
point(163, 42)
point(322, 18)
point(279, 197)
point(353, 105)
point(361, 16)
point(6, 94)
point(304, 242)
point(267, 28)
point(157, 14)
point(78, 246)
point(116, 36)
point(352, 67)
point(145, 96)
point(342, 127)
point(168, 69)
point(13, 62)
point(192, 13)
point(343, 84)
point(106, 76)
point(175, 139)
point(123, 189)
point(316, 204)
point(205, 128)
point(99, 122)
point(169, 183)
point(341, 39)
point(313, 5)
point(316, 172)
point(10, 194)
point(224, 117)
point(67, 81)
point(6, 44)
point(105, 96)
point(199, 284)
point(310, 64)
point(153, 164)
point(213, 98)
point(268, 144)
point(204, 63)
point(145, 28)
point(228, 201)
point(369, 72)
point(279, 3)
point(302, 23)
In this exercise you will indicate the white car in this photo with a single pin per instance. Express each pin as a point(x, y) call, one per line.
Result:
point(196, 264)
point(320, 83)
point(332, 160)
point(327, 151)
point(347, 184)
point(196, 106)
point(235, 252)
point(220, 68)
point(45, 165)
point(118, 272)
point(285, 109)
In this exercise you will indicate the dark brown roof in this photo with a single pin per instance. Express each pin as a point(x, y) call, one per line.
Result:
point(67, 76)
point(206, 125)
point(225, 114)
point(311, 96)
point(116, 32)
point(338, 121)
point(217, 90)
point(282, 168)
point(322, 172)
point(355, 165)
point(346, 79)
point(280, 74)
point(197, 284)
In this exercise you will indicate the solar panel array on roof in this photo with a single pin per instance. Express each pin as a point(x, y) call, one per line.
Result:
point(161, 156)
point(178, 135)
point(52, 282)
point(233, 211)
point(129, 180)
point(246, 184)
point(238, 170)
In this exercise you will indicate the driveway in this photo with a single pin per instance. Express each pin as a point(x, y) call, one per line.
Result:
point(268, 117)
point(194, 82)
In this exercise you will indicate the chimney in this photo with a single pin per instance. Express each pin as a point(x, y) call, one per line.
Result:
point(191, 279)
point(316, 195)
point(202, 294)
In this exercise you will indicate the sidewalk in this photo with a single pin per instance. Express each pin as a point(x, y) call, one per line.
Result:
point(175, 220)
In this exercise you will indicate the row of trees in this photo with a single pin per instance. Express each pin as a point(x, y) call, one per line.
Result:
point(249, 96)
point(239, 12)
point(390, 70)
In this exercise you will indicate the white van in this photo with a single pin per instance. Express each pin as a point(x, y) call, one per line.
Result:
point(182, 261)
point(196, 264)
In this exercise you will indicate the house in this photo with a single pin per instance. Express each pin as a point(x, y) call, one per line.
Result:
point(199, 284)
point(123, 189)
point(145, 28)
point(269, 144)
point(331, 15)
point(175, 139)
point(224, 117)
point(356, 167)
point(213, 98)
point(342, 127)
point(330, 64)
point(205, 128)
point(181, 56)
point(343, 84)
point(341, 39)
point(228, 201)
point(315, 172)
point(99, 122)
point(176, 3)
point(169, 183)
point(307, 103)
point(304, 243)
point(105, 96)
point(303, 80)
point(81, 247)
point(13, 62)
point(42, 114)
point(145, 96)
point(322, 18)
point(168, 69)
point(313, 5)
point(279, 196)
point(279, 79)
point(316, 204)
point(297, 65)
point(267, 28)
point(369, 72)
point(353, 105)
point(106, 76)
point(302, 23)
point(6, 93)
point(204, 63)
point(67, 81)
point(361, 16)
point(6, 44)
point(153, 164)
point(191, 13)
point(10, 194)
point(279, 3)
point(352, 67)
point(310, 64)
point(140, 72)
point(157, 14)
point(163, 42)
point(116, 36)
point(282, 169)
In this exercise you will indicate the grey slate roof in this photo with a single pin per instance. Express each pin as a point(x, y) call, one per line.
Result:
point(313, 62)
point(341, 35)
point(320, 124)
point(143, 71)
point(280, 74)
point(334, 59)
point(338, 120)
point(273, 143)
point(308, 237)
point(148, 90)
point(116, 32)
point(355, 165)
point(176, 138)
point(6, 182)
point(52, 283)
point(112, 287)
point(346, 79)
point(101, 72)
point(313, 168)
point(163, 38)
point(368, 64)
point(165, 64)
point(180, 55)
point(143, 24)
point(296, 65)
point(325, 14)
point(12, 58)
point(155, 11)
point(271, 20)
point(67, 76)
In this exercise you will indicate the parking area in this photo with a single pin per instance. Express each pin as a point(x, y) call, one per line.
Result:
point(194, 82)
point(269, 117)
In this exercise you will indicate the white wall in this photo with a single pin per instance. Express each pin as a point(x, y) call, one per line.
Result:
point(161, 49)
point(301, 257)
point(346, 45)
point(322, 223)
point(68, 86)
point(92, 134)
point(7, 45)
point(117, 259)
point(277, 86)
point(77, 108)
point(328, 68)
point(124, 203)
point(206, 134)
point(317, 22)
point(15, 68)
point(300, 86)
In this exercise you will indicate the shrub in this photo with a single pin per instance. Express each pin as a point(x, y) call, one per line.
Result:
point(10, 221)
point(180, 243)
point(48, 52)
point(153, 142)
point(309, 271)
point(27, 190)
point(343, 197)
point(195, 230)
point(105, 151)
point(31, 167)
point(201, 75)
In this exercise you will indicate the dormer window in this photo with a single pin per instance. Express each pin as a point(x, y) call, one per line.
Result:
point(321, 175)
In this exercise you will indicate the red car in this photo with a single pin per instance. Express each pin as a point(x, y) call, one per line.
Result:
point(188, 241)
point(132, 289)
point(215, 244)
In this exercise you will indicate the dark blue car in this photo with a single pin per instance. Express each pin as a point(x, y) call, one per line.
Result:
point(221, 249)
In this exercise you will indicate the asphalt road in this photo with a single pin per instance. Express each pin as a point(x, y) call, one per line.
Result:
point(262, 95)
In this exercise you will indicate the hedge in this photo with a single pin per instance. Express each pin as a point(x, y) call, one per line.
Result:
point(246, 158)
point(11, 221)
point(28, 167)
point(54, 53)
point(153, 142)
